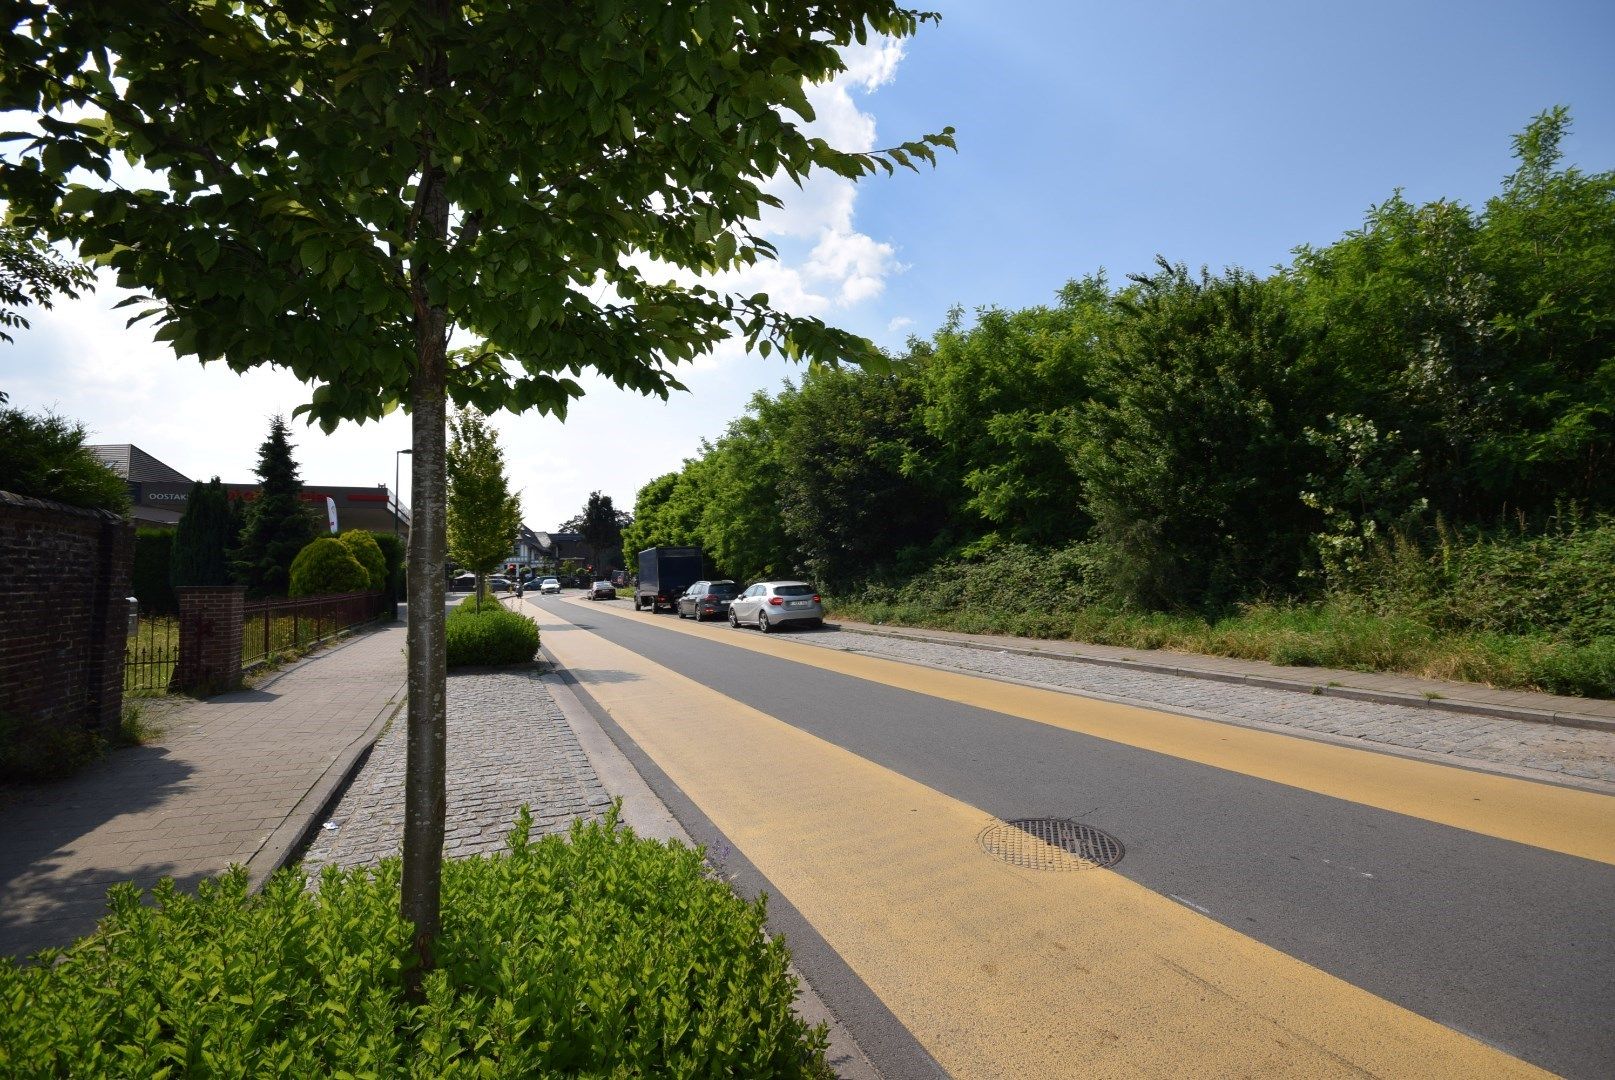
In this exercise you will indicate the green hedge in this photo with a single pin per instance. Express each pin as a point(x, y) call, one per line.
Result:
point(151, 583)
point(491, 636)
point(600, 954)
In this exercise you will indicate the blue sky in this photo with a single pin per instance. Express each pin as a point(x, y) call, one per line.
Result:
point(1090, 135)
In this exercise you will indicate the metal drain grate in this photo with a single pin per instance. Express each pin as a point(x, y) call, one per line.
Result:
point(1050, 844)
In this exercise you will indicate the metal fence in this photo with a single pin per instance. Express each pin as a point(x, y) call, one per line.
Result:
point(150, 653)
point(269, 627)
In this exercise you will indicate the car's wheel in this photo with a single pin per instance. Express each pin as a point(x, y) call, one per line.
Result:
point(763, 624)
point(679, 609)
point(817, 624)
point(734, 620)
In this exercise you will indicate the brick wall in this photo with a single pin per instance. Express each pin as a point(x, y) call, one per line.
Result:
point(209, 638)
point(64, 574)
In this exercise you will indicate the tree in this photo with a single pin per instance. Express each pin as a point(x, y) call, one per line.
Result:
point(846, 502)
point(1001, 398)
point(483, 515)
point(201, 554)
point(30, 272)
point(1194, 458)
point(279, 524)
point(601, 528)
point(347, 184)
point(44, 457)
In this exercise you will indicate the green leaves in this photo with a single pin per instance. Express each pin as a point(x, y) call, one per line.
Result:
point(296, 150)
point(597, 953)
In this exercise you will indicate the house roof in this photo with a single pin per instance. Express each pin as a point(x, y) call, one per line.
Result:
point(137, 466)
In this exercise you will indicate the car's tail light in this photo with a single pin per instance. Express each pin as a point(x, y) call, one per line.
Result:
point(710, 596)
point(816, 598)
point(774, 601)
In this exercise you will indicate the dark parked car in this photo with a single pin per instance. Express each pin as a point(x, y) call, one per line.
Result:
point(706, 600)
point(602, 590)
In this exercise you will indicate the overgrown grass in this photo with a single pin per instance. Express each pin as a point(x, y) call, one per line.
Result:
point(599, 954)
point(1523, 611)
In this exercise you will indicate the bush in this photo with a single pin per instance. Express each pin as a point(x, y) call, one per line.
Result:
point(392, 552)
point(604, 955)
point(327, 566)
point(364, 548)
point(488, 637)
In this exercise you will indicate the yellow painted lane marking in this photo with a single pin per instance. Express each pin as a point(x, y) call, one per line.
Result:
point(998, 971)
point(1579, 823)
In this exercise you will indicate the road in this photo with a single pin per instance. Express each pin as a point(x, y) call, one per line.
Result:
point(1283, 905)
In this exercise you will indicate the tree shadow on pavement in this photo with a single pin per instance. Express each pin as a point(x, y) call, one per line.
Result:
point(53, 875)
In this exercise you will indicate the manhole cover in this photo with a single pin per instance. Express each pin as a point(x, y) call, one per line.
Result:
point(1050, 844)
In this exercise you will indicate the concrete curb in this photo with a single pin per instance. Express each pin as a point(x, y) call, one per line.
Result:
point(1380, 697)
point(289, 837)
point(277, 851)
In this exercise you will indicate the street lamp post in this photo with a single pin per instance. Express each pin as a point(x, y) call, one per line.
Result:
point(396, 458)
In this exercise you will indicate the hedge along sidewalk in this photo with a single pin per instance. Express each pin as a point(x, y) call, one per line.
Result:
point(1475, 699)
point(238, 779)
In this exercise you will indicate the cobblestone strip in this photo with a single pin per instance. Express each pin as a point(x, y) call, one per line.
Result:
point(1519, 744)
point(508, 744)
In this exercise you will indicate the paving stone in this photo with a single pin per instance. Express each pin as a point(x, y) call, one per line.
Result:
point(1572, 752)
point(508, 745)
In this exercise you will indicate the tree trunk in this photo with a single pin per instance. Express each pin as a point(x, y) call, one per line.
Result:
point(425, 795)
point(424, 783)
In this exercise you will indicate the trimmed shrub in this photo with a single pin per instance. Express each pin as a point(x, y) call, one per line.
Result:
point(489, 637)
point(151, 584)
point(597, 954)
point(327, 566)
point(392, 552)
point(364, 548)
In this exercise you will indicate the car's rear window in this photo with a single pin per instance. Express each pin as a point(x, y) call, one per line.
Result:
point(793, 590)
point(723, 588)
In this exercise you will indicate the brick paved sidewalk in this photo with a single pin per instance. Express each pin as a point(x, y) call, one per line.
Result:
point(508, 744)
point(1436, 694)
point(1396, 721)
point(235, 779)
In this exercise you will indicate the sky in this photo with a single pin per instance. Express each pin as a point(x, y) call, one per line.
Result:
point(1091, 137)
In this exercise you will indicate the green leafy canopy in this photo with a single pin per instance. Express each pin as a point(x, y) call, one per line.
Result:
point(298, 142)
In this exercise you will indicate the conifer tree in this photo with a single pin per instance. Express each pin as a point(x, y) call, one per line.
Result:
point(278, 525)
point(201, 552)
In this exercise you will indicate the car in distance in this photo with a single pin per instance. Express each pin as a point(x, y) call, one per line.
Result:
point(768, 605)
point(706, 600)
point(602, 590)
point(498, 583)
point(549, 585)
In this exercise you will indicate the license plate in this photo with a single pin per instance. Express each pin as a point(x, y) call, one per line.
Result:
point(796, 603)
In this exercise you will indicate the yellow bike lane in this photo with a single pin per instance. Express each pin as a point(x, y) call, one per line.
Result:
point(1003, 971)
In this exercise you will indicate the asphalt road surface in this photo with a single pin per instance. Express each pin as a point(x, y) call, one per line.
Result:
point(1282, 906)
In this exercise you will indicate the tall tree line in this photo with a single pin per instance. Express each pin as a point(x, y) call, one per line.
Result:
point(1205, 438)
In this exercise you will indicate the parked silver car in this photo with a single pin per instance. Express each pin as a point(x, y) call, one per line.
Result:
point(768, 605)
point(706, 600)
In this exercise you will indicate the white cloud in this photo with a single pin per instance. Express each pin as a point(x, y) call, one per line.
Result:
point(899, 324)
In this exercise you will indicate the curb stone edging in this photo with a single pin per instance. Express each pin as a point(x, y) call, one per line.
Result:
point(1380, 697)
point(294, 831)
